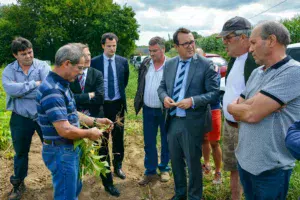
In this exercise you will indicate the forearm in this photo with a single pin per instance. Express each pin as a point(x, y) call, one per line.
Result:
point(86, 120)
point(241, 112)
point(18, 90)
point(207, 98)
point(71, 132)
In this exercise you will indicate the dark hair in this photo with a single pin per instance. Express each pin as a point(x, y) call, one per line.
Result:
point(20, 44)
point(157, 40)
point(180, 30)
point(109, 36)
point(275, 28)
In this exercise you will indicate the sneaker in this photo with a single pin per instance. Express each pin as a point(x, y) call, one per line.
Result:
point(206, 169)
point(148, 179)
point(217, 178)
point(17, 192)
point(164, 176)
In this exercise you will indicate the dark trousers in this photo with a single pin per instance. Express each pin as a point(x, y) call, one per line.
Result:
point(271, 185)
point(185, 150)
point(152, 119)
point(111, 110)
point(22, 130)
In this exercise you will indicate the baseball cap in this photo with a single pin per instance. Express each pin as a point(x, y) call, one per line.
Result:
point(292, 140)
point(234, 24)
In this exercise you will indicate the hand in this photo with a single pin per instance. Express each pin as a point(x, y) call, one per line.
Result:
point(107, 122)
point(185, 103)
point(38, 83)
point(94, 134)
point(92, 95)
point(168, 102)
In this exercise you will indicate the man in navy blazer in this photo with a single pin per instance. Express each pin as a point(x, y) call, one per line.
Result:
point(115, 72)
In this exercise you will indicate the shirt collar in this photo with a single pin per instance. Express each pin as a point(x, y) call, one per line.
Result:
point(188, 60)
point(280, 63)
point(161, 67)
point(242, 57)
point(59, 79)
point(17, 66)
point(107, 58)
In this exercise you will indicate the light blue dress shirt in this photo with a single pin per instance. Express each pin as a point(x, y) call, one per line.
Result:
point(113, 64)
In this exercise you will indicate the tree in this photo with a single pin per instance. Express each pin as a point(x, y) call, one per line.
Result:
point(293, 25)
point(51, 24)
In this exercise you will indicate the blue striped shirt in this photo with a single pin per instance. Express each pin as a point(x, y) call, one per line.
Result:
point(55, 102)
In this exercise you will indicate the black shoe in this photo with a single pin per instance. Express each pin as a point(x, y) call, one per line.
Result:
point(17, 192)
point(120, 173)
point(112, 190)
point(178, 198)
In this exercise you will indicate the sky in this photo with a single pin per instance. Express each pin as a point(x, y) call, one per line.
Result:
point(163, 17)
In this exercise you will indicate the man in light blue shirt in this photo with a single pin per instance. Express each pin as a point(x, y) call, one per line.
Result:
point(20, 80)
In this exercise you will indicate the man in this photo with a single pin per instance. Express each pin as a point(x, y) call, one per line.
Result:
point(116, 73)
point(235, 35)
point(59, 122)
point(20, 80)
point(88, 88)
point(150, 75)
point(212, 138)
point(267, 107)
point(188, 85)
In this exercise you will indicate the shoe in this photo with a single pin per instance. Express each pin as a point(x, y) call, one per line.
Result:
point(112, 190)
point(164, 176)
point(120, 173)
point(206, 169)
point(17, 191)
point(148, 179)
point(178, 198)
point(217, 178)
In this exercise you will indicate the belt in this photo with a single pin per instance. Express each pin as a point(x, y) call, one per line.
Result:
point(58, 142)
point(233, 124)
point(177, 117)
point(111, 102)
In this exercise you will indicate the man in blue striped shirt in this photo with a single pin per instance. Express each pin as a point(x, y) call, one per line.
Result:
point(20, 80)
point(59, 122)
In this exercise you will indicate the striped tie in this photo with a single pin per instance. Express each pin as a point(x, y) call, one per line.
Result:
point(81, 80)
point(177, 86)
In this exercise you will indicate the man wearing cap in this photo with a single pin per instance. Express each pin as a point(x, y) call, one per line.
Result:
point(235, 35)
point(266, 108)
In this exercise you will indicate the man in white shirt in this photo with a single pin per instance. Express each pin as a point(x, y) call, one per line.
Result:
point(150, 75)
point(235, 35)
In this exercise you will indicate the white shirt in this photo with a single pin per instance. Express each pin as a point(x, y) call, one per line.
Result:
point(152, 82)
point(235, 84)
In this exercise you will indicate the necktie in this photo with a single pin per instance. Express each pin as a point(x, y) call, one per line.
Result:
point(111, 81)
point(81, 80)
point(178, 85)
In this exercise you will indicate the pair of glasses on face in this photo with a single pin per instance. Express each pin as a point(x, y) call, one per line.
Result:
point(228, 37)
point(153, 51)
point(187, 44)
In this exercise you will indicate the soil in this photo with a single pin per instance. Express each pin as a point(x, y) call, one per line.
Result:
point(39, 186)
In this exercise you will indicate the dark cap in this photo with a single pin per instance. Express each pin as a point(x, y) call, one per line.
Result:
point(234, 24)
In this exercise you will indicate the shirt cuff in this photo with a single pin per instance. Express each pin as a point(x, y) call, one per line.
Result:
point(193, 106)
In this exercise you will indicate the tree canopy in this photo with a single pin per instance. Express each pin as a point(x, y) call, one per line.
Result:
point(293, 25)
point(51, 24)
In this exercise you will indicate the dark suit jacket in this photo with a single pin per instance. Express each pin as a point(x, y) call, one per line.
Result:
point(250, 65)
point(202, 85)
point(93, 83)
point(122, 72)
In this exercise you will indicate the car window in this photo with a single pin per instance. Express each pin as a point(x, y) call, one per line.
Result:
point(218, 61)
point(294, 53)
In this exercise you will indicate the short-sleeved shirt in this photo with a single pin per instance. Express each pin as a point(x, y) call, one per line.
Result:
point(55, 102)
point(261, 145)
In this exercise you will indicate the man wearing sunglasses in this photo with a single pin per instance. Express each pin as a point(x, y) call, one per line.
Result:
point(235, 35)
point(188, 85)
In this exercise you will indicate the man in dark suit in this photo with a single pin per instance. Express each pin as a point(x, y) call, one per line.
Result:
point(88, 88)
point(189, 83)
point(116, 72)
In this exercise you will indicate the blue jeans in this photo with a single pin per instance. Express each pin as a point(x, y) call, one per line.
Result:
point(152, 118)
point(63, 162)
point(269, 185)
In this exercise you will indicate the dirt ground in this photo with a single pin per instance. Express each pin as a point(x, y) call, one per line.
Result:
point(39, 185)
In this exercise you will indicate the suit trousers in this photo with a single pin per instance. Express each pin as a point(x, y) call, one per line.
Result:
point(22, 130)
point(185, 150)
point(111, 110)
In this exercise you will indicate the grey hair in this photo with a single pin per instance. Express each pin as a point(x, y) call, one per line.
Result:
point(71, 51)
point(275, 28)
point(157, 40)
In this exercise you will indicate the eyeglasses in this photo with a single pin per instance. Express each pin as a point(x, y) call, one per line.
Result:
point(187, 44)
point(81, 68)
point(153, 51)
point(228, 37)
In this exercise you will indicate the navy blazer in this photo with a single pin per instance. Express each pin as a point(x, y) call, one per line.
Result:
point(122, 68)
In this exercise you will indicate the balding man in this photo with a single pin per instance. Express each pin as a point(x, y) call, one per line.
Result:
point(269, 104)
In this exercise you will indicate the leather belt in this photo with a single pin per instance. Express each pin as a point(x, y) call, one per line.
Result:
point(233, 124)
point(58, 142)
